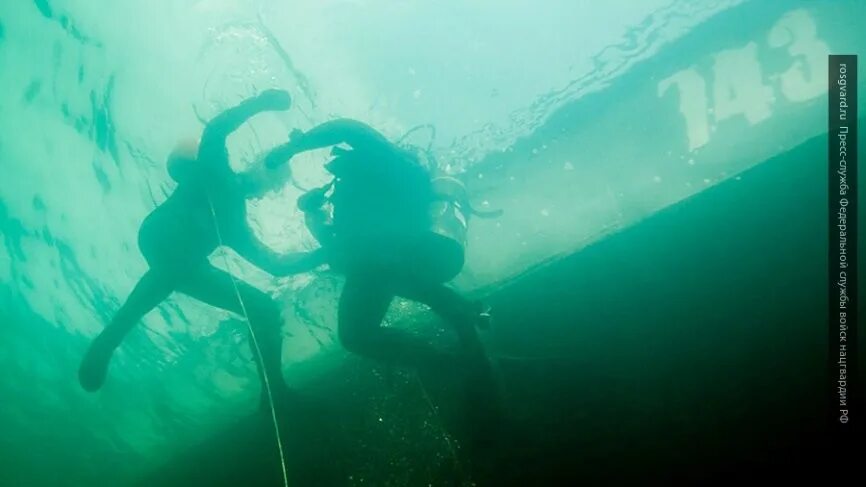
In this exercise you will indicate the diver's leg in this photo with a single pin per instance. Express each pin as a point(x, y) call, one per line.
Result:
point(482, 392)
point(217, 288)
point(362, 307)
point(363, 304)
point(462, 314)
point(151, 290)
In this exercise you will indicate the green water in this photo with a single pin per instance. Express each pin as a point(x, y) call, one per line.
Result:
point(657, 276)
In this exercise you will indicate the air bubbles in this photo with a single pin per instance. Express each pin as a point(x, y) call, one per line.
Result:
point(568, 166)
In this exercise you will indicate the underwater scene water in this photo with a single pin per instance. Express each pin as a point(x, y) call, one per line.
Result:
point(642, 189)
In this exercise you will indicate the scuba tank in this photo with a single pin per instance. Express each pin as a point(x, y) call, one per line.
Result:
point(450, 210)
point(446, 245)
point(446, 211)
point(450, 213)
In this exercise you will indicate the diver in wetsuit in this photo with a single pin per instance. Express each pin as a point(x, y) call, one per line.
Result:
point(381, 238)
point(207, 208)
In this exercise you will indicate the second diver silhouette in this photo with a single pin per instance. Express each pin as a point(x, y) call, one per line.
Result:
point(206, 209)
point(381, 237)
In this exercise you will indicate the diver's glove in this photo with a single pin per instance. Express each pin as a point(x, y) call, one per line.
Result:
point(275, 99)
point(314, 199)
point(283, 153)
point(295, 135)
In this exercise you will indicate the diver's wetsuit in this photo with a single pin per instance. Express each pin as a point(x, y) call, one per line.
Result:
point(207, 207)
point(381, 231)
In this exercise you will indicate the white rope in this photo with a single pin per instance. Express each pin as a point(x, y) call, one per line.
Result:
point(265, 379)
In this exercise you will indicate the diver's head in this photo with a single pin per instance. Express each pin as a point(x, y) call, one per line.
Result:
point(180, 161)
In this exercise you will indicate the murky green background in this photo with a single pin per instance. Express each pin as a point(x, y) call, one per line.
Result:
point(657, 276)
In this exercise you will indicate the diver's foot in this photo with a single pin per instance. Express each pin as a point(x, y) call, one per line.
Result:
point(94, 366)
point(485, 319)
point(480, 315)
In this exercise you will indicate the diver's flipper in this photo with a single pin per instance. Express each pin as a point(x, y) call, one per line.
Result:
point(94, 366)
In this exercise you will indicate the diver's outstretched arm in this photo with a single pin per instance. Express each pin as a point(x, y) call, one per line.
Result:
point(356, 134)
point(225, 123)
point(280, 265)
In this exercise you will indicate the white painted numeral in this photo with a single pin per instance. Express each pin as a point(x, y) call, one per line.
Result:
point(693, 104)
point(738, 88)
point(738, 81)
point(805, 79)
